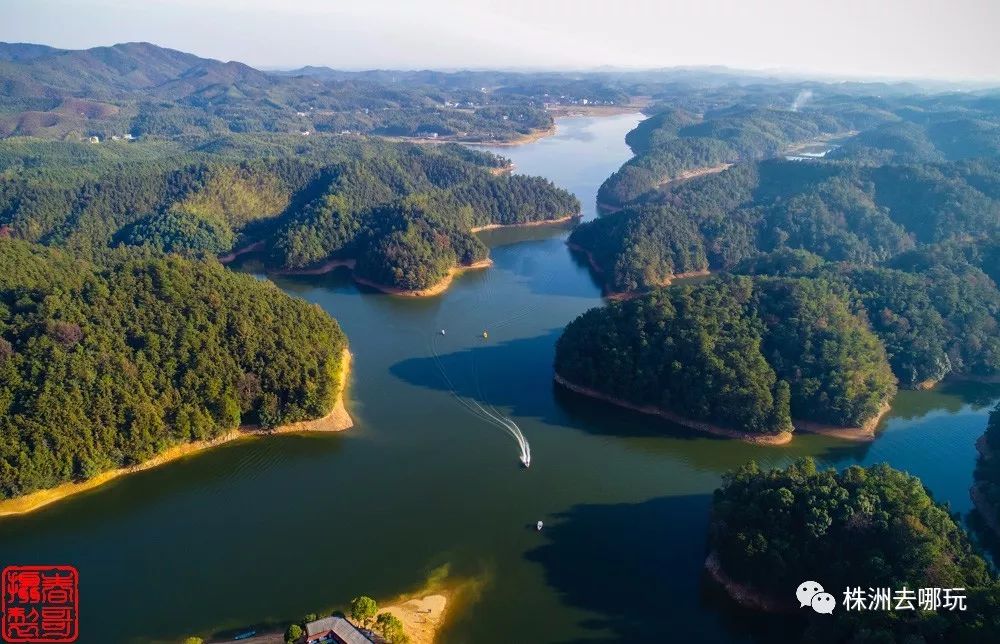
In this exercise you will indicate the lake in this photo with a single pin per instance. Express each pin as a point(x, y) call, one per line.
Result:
point(269, 529)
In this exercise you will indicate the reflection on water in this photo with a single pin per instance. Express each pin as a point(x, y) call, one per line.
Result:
point(266, 530)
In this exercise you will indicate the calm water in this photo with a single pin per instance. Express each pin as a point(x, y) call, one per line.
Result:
point(270, 529)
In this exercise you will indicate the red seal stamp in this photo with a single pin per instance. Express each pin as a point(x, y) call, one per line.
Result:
point(40, 604)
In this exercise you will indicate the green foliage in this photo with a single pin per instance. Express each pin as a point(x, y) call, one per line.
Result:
point(363, 610)
point(404, 211)
point(107, 366)
point(868, 527)
point(673, 142)
point(746, 354)
point(293, 633)
point(391, 628)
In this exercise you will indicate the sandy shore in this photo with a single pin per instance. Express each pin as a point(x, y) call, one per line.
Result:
point(687, 175)
point(758, 439)
point(422, 617)
point(527, 224)
point(743, 594)
point(637, 104)
point(520, 139)
point(436, 289)
point(319, 269)
point(337, 420)
point(229, 257)
point(863, 434)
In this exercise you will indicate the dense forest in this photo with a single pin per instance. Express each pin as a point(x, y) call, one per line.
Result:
point(936, 310)
point(673, 142)
point(838, 211)
point(404, 211)
point(746, 354)
point(104, 366)
point(915, 246)
point(872, 527)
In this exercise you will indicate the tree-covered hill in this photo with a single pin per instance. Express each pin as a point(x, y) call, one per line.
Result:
point(306, 201)
point(936, 309)
point(744, 354)
point(673, 142)
point(841, 212)
point(864, 528)
point(142, 90)
point(107, 366)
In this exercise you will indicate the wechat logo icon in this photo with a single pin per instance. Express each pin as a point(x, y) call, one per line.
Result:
point(811, 593)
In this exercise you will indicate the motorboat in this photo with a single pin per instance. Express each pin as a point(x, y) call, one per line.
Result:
point(538, 526)
point(525, 460)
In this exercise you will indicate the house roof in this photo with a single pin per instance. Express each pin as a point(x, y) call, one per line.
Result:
point(340, 627)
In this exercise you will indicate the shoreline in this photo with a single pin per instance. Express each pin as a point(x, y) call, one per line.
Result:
point(865, 433)
point(435, 289)
point(337, 420)
point(693, 173)
point(743, 594)
point(422, 616)
point(520, 139)
point(320, 269)
point(231, 256)
point(782, 438)
point(634, 106)
point(529, 224)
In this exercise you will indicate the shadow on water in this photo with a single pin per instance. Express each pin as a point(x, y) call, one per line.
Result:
point(628, 566)
point(517, 375)
point(541, 264)
point(638, 569)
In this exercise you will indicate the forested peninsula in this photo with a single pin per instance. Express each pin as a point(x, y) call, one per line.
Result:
point(916, 248)
point(773, 529)
point(401, 214)
point(106, 367)
point(750, 357)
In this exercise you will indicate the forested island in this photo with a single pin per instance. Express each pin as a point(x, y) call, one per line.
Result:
point(738, 356)
point(864, 528)
point(106, 366)
point(401, 214)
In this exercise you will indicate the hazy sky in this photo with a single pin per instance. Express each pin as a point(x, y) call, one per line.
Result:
point(951, 39)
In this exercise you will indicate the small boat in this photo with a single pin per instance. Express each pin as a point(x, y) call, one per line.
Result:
point(485, 335)
point(538, 526)
point(525, 461)
point(442, 331)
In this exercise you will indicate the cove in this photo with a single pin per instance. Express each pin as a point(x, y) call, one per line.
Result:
point(270, 529)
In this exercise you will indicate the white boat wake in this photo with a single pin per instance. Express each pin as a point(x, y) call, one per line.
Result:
point(489, 413)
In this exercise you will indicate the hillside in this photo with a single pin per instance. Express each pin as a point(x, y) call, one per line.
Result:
point(404, 212)
point(104, 367)
point(143, 90)
point(745, 354)
point(773, 529)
